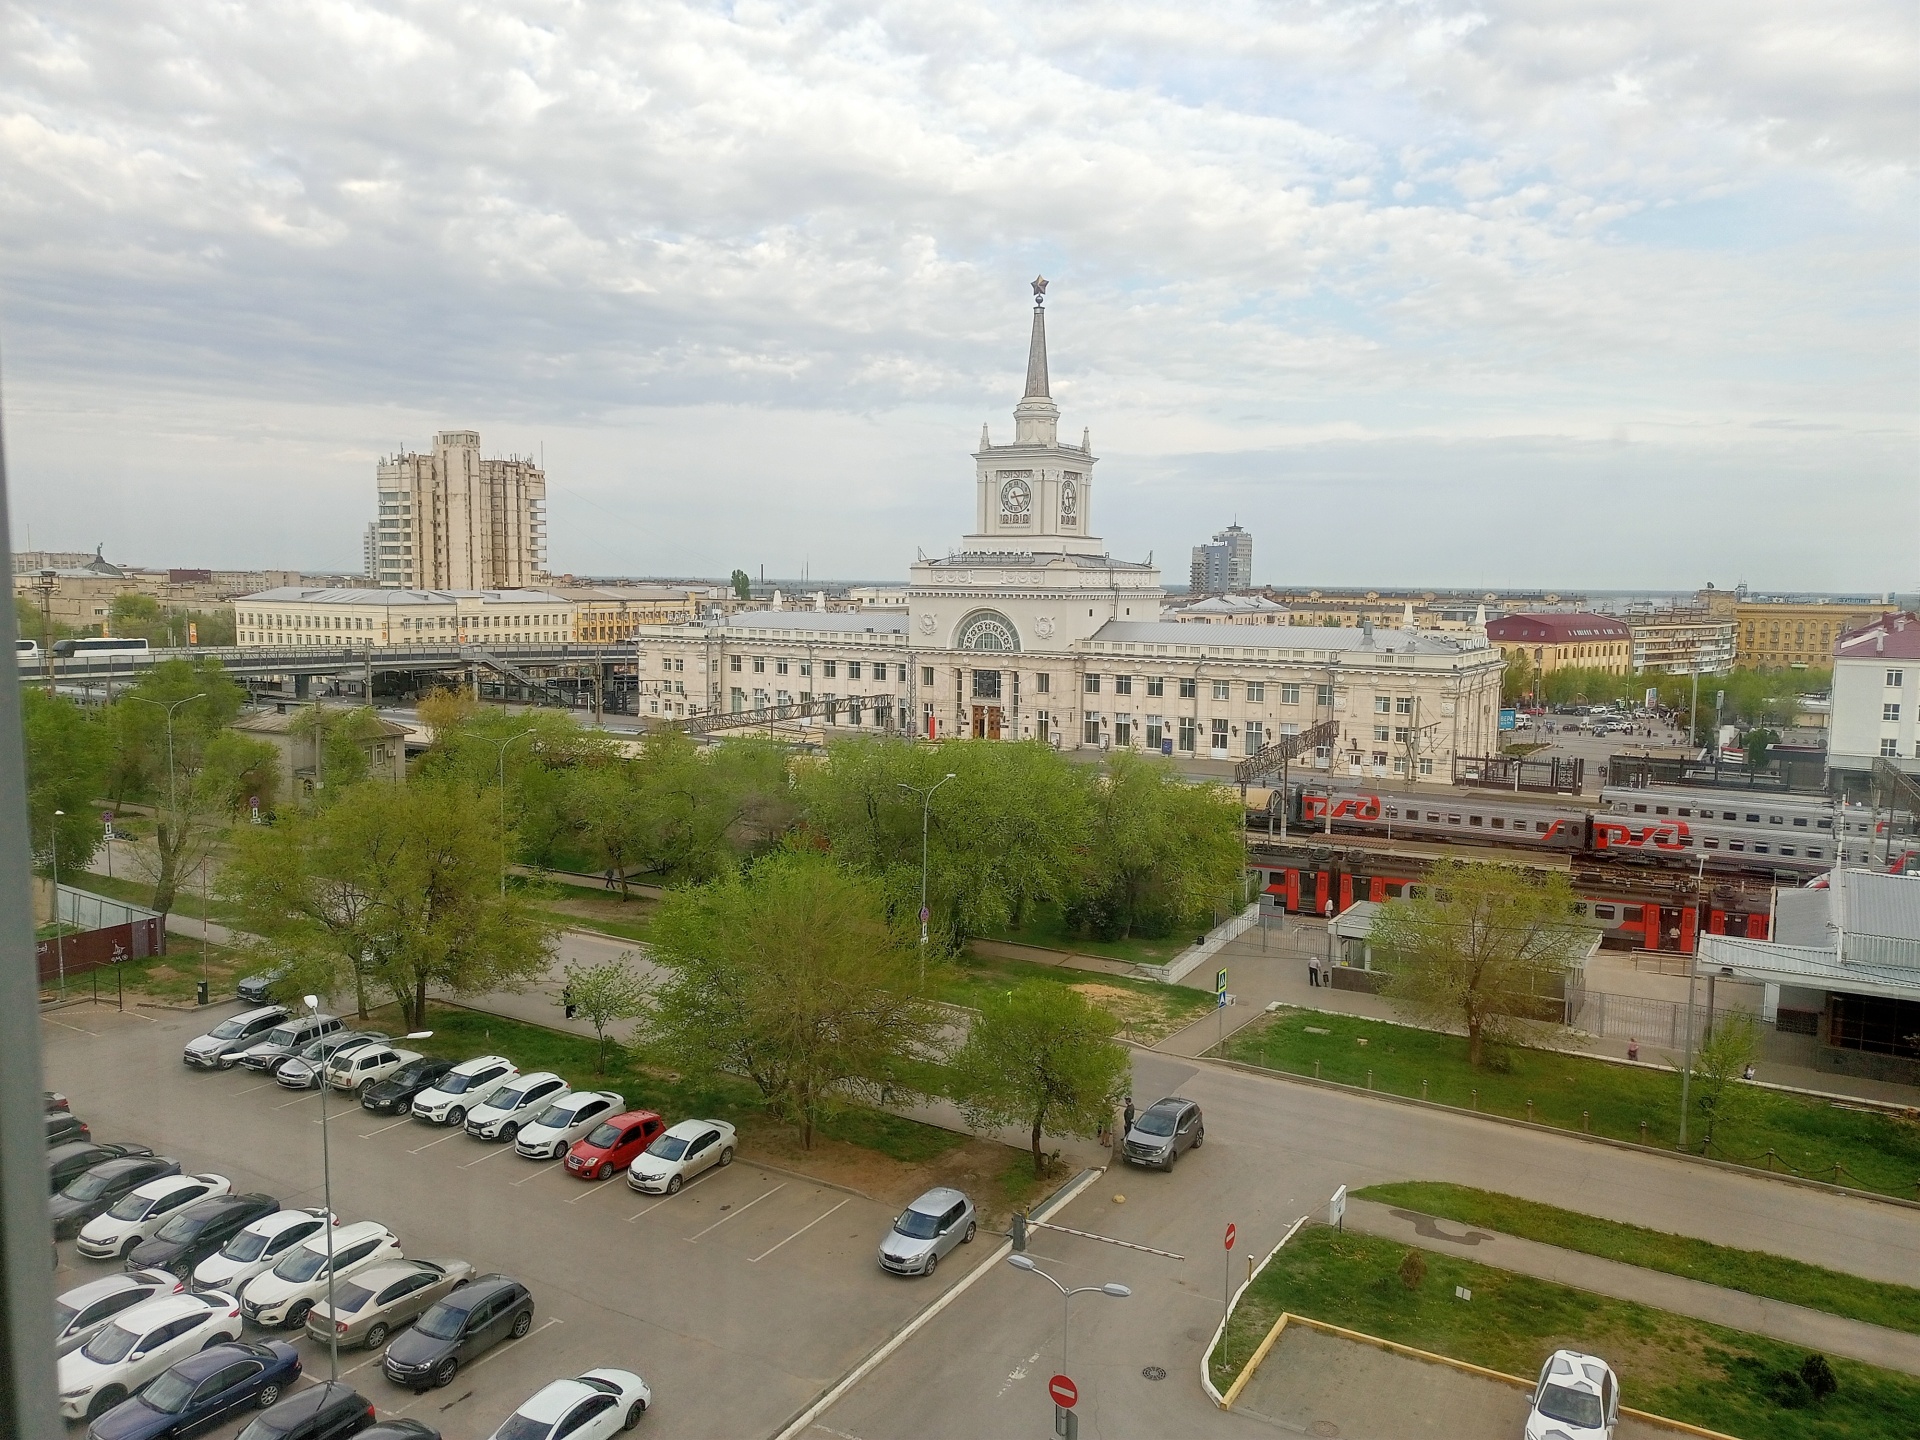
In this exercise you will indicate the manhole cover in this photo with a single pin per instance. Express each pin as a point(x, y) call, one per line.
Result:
point(1155, 1372)
point(1324, 1427)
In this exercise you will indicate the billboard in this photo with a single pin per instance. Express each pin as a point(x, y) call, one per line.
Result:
point(1509, 719)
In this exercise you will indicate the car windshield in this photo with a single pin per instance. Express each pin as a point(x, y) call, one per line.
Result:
point(90, 1185)
point(247, 1245)
point(917, 1225)
point(668, 1147)
point(454, 1083)
point(130, 1207)
point(1155, 1122)
point(524, 1427)
point(317, 1049)
point(604, 1134)
point(557, 1117)
point(349, 1298)
point(409, 1073)
point(442, 1322)
point(168, 1394)
point(227, 1029)
point(283, 1035)
point(111, 1345)
point(183, 1226)
point(1572, 1407)
point(268, 1427)
point(301, 1264)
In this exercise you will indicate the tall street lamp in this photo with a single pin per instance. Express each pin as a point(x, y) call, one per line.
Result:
point(1112, 1289)
point(926, 808)
point(502, 744)
point(173, 799)
point(59, 946)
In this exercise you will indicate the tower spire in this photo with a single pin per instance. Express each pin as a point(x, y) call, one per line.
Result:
point(1037, 348)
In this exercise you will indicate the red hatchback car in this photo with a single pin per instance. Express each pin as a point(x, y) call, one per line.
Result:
point(613, 1144)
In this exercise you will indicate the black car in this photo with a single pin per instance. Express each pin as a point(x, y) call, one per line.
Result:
point(394, 1095)
point(401, 1429)
point(94, 1190)
point(1162, 1131)
point(64, 1126)
point(67, 1162)
point(199, 1231)
point(200, 1391)
point(326, 1412)
point(472, 1319)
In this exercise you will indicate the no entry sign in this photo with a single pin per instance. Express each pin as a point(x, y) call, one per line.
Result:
point(1231, 1232)
point(1063, 1392)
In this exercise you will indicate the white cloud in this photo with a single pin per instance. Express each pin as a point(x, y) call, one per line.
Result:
point(701, 241)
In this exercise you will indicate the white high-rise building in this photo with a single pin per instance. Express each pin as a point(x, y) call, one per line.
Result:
point(1223, 566)
point(451, 520)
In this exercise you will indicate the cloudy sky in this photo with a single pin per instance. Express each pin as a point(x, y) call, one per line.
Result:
point(1602, 293)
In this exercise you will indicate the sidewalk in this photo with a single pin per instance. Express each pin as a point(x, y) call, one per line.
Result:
point(1737, 1310)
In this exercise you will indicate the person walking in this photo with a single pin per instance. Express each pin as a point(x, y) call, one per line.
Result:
point(566, 1001)
point(609, 878)
point(1313, 971)
point(1126, 1118)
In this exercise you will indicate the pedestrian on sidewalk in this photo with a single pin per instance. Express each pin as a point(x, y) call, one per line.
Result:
point(566, 1001)
point(1633, 1048)
point(1313, 971)
point(1126, 1117)
point(609, 884)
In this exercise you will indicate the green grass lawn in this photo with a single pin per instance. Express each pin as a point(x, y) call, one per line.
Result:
point(136, 890)
point(1046, 927)
point(1877, 1150)
point(1146, 1009)
point(1757, 1273)
point(1707, 1375)
point(635, 929)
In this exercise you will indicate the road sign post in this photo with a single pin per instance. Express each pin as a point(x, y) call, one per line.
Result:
point(1066, 1424)
point(1337, 1209)
point(1226, 1287)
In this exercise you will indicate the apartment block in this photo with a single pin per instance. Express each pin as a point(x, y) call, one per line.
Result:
point(451, 519)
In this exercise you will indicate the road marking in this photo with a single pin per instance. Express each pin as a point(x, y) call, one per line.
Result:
point(664, 1198)
point(597, 1187)
point(295, 1101)
point(261, 1086)
point(64, 1026)
point(369, 1134)
point(538, 1173)
point(511, 1344)
point(377, 1355)
point(741, 1211)
point(441, 1141)
point(486, 1157)
point(654, 1206)
point(798, 1233)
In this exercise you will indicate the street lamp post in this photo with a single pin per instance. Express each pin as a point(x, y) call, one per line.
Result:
point(1112, 1289)
point(502, 744)
point(926, 809)
point(59, 945)
point(173, 799)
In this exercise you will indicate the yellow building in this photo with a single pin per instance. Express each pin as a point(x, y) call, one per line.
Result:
point(1772, 634)
point(614, 612)
point(1565, 640)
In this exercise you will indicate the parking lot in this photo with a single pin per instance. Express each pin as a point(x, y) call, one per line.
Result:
point(738, 1299)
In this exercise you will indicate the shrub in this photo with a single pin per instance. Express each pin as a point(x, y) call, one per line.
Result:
point(1818, 1376)
point(1790, 1392)
point(1413, 1270)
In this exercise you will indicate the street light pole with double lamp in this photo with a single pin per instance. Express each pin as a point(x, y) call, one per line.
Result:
point(926, 809)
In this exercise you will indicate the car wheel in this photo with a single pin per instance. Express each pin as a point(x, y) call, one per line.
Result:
point(213, 1340)
point(967, 1239)
point(634, 1412)
point(1199, 1138)
point(673, 1185)
point(104, 1401)
point(605, 1172)
point(297, 1316)
point(507, 1132)
point(269, 1393)
point(932, 1262)
point(726, 1156)
point(377, 1335)
point(133, 1243)
point(457, 1116)
point(522, 1323)
point(444, 1372)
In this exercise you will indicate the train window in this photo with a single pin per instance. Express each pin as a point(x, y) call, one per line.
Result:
point(1432, 819)
point(1658, 809)
point(1603, 912)
point(1474, 820)
point(1788, 850)
point(1775, 820)
point(1453, 819)
point(1801, 821)
point(1728, 815)
point(1639, 809)
point(1813, 854)
point(1541, 826)
point(1711, 843)
point(1684, 811)
point(1736, 844)
point(1751, 819)
point(1686, 842)
point(1498, 823)
point(1763, 849)
point(1825, 825)
point(1629, 912)
point(1580, 907)
point(1395, 889)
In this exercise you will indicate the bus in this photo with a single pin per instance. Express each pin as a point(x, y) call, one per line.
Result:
point(99, 645)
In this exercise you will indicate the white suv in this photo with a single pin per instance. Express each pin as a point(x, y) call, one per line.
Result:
point(567, 1119)
point(257, 1249)
point(143, 1210)
point(356, 1069)
point(284, 1295)
point(512, 1106)
point(467, 1086)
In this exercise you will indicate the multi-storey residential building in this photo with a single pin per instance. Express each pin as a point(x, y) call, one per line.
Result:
point(1876, 693)
point(1031, 630)
point(1771, 634)
point(1565, 639)
point(1223, 565)
point(1681, 642)
point(292, 615)
point(452, 520)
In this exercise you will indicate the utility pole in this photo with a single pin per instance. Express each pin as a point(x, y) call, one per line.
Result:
point(926, 809)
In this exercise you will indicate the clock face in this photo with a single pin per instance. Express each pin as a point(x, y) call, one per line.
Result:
point(1069, 501)
point(1016, 497)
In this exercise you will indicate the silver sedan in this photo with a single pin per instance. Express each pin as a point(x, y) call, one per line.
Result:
point(380, 1299)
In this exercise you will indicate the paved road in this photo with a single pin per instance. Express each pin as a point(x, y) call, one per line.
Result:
point(1275, 1151)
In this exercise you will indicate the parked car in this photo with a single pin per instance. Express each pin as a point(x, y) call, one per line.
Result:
point(512, 1106)
point(572, 1117)
point(314, 1052)
point(79, 1314)
point(395, 1094)
point(97, 1189)
point(401, 1428)
point(592, 1406)
point(199, 1231)
point(143, 1210)
point(257, 989)
point(1163, 1131)
point(928, 1229)
point(301, 1073)
point(284, 1295)
point(137, 1345)
point(55, 1101)
point(457, 1329)
point(382, 1298)
point(1577, 1398)
point(357, 1069)
point(467, 1085)
point(332, 1410)
point(258, 1248)
point(680, 1154)
point(200, 1391)
point(613, 1144)
point(221, 1047)
point(65, 1128)
point(287, 1039)
point(65, 1163)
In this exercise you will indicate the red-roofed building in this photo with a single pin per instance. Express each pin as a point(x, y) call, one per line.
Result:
point(1876, 691)
point(1565, 639)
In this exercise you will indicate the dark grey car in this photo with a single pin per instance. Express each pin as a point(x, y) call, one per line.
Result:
point(459, 1328)
point(95, 1191)
point(1163, 1131)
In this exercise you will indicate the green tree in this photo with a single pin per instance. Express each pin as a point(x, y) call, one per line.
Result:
point(606, 994)
point(341, 737)
point(1718, 1091)
point(32, 622)
point(790, 976)
point(604, 803)
point(1040, 1056)
point(1476, 942)
point(138, 617)
point(1162, 853)
point(742, 585)
point(68, 752)
point(1516, 677)
point(1757, 742)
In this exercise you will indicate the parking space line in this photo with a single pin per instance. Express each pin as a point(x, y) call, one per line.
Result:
point(64, 1026)
point(698, 1179)
point(376, 1355)
point(502, 1349)
point(499, 1150)
point(598, 1187)
point(295, 1101)
point(441, 1141)
point(261, 1086)
point(741, 1211)
point(798, 1233)
point(551, 1164)
point(369, 1134)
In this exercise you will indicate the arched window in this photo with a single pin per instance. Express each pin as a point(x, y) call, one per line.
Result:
point(988, 630)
